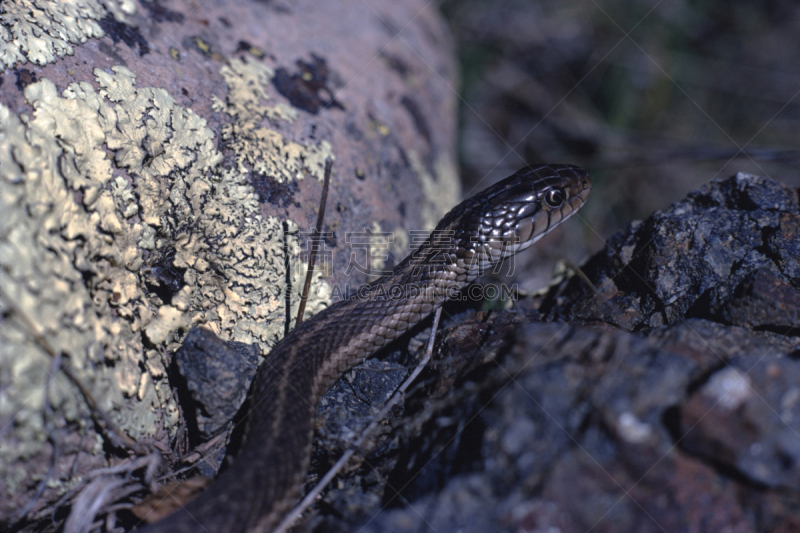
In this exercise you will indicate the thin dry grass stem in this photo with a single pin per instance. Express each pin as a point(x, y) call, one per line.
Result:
point(314, 245)
point(101, 493)
point(97, 495)
point(198, 454)
point(579, 272)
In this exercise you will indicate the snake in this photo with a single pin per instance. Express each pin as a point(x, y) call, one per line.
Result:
point(267, 476)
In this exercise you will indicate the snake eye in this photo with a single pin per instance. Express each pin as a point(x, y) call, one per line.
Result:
point(554, 198)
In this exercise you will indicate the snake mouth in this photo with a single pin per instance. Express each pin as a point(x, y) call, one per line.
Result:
point(558, 198)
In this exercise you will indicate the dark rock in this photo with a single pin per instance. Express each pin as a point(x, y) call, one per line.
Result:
point(763, 300)
point(688, 421)
point(689, 260)
point(601, 429)
point(784, 245)
point(218, 375)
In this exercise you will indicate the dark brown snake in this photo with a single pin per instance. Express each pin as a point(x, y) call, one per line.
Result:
point(265, 480)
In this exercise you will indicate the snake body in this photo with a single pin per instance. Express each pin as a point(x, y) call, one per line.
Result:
point(266, 478)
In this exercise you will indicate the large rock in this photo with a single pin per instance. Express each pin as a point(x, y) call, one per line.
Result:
point(157, 160)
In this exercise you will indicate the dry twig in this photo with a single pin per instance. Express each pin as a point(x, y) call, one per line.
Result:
point(314, 245)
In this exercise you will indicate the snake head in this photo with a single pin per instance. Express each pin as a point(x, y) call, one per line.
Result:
point(514, 213)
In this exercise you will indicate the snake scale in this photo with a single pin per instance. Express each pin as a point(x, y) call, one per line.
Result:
point(267, 476)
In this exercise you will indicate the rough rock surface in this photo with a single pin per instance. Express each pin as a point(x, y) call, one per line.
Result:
point(727, 241)
point(217, 375)
point(670, 402)
point(159, 163)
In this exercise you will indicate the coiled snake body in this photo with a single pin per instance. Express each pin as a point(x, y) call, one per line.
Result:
point(268, 474)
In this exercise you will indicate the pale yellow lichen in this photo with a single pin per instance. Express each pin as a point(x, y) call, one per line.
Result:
point(258, 147)
point(40, 31)
point(97, 188)
point(169, 320)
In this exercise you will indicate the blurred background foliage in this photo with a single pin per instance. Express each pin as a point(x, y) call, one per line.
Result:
point(653, 98)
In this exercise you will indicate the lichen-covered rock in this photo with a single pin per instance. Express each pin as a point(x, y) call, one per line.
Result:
point(154, 159)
